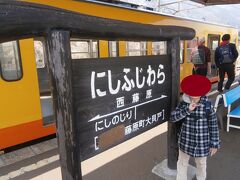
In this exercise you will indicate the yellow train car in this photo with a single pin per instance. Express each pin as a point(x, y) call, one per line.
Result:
point(25, 88)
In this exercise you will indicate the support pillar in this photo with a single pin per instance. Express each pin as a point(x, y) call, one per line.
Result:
point(59, 63)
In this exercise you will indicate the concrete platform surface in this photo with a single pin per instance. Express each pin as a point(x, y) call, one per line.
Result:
point(136, 164)
point(131, 160)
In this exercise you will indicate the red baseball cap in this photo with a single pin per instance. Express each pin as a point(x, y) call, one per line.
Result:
point(196, 85)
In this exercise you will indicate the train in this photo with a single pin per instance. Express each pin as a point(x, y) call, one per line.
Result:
point(27, 111)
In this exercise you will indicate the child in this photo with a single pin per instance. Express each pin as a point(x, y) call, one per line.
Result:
point(199, 136)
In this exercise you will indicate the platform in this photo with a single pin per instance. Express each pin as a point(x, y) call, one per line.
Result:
point(132, 160)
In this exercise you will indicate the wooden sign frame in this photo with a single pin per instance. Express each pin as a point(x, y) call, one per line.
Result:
point(18, 21)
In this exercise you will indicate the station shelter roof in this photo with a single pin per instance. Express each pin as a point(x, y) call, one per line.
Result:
point(216, 2)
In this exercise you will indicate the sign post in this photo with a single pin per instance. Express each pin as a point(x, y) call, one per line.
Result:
point(59, 56)
point(173, 50)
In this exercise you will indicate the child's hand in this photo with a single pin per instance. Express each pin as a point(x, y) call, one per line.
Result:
point(213, 151)
point(192, 106)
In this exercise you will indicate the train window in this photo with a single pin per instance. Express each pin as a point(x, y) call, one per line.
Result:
point(214, 44)
point(83, 49)
point(11, 68)
point(238, 45)
point(190, 46)
point(159, 48)
point(181, 52)
point(94, 49)
point(233, 40)
point(136, 48)
point(113, 48)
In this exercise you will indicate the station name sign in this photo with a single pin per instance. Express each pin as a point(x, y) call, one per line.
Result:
point(118, 98)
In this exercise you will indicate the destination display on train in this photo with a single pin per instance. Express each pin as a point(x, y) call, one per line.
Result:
point(116, 99)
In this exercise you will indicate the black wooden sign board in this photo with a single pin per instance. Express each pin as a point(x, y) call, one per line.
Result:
point(116, 99)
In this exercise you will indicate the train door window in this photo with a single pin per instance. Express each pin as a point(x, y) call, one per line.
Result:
point(190, 46)
point(43, 76)
point(238, 44)
point(213, 43)
point(181, 52)
point(10, 61)
point(83, 49)
point(39, 53)
point(136, 48)
point(113, 48)
point(159, 48)
point(43, 81)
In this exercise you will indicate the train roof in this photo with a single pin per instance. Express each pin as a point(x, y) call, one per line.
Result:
point(162, 14)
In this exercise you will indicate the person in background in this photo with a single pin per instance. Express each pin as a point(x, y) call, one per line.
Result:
point(201, 58)
point(199, 134)
point(225, 56)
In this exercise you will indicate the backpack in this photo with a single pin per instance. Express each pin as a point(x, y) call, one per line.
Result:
point(208, 105)
point(198, 56)
point(226, 54)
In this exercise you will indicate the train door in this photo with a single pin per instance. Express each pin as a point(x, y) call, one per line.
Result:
point(186, 66)
point(44, 83)
point(213, 43)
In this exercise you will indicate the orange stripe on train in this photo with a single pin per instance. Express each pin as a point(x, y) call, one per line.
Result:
point(23, 133)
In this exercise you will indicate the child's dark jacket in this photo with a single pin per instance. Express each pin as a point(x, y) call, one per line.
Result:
point(199, 131)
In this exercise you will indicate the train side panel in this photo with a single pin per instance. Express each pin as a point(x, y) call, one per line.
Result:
point(20, 117)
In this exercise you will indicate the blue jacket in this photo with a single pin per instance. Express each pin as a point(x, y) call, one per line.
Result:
point(218, 55)
point(199, 131)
